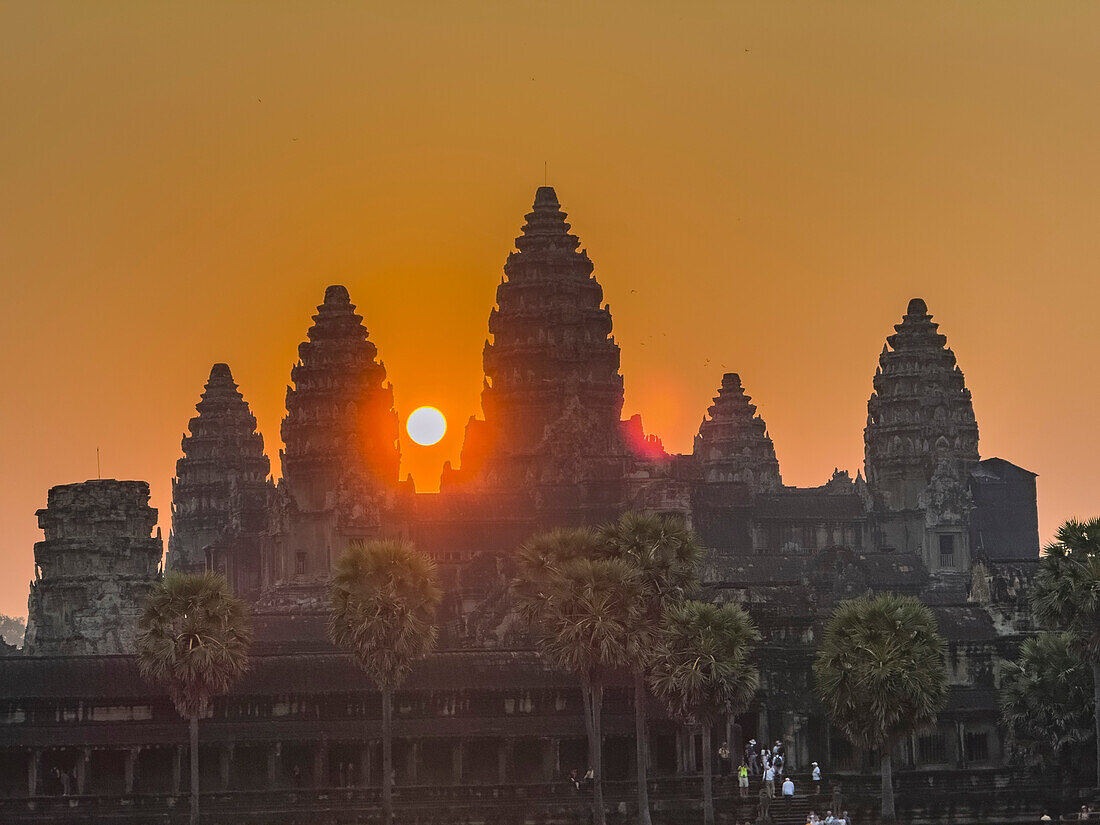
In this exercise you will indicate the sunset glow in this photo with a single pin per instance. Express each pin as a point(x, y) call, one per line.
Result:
point(180, 192)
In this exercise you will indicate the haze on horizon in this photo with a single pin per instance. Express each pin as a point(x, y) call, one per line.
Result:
point(762, 189)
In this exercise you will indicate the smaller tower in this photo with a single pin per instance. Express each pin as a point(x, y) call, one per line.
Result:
point(98, 563)
point(220, 486)
point(733, 443)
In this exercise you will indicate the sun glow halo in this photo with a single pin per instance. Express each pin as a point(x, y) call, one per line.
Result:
point(426, 426)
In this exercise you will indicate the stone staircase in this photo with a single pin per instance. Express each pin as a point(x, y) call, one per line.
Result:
point(731, 808)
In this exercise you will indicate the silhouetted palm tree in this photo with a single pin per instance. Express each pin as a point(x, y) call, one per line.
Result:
point(880, 675)
point(1066, 596)
point(1047, 695)
point(384, 599)
point(584, 610)
point(193, 639)
point(666, 554)
point(702, 670)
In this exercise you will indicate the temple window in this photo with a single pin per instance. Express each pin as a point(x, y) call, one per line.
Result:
point(932, 748)
point(300, 563)
point(947, 551)
point(977, 746)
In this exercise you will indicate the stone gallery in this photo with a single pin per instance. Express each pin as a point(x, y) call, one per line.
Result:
point(927, 516)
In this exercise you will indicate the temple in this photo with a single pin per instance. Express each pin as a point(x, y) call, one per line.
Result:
point(927, 516)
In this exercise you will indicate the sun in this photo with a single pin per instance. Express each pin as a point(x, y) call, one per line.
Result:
point(426, 426)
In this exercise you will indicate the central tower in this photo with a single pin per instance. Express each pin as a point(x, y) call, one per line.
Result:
point(553, 394)
point(340, 420)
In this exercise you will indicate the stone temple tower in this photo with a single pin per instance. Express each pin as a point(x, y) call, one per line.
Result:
point(553, 393)
point(921, 441)
point(93, 571)
point(340, 420)
point(733, 443)
point(220, 485)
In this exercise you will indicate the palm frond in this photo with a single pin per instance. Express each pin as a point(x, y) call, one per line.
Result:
point(193, 638)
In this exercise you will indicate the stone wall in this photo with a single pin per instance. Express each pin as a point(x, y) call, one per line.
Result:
point(97, 564)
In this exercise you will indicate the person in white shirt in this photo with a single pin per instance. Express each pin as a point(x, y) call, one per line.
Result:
point(769, 781)
point(816, 774)
point(788, 790)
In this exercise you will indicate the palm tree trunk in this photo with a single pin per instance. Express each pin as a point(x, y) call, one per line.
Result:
point(387, 756)
point(598, 813)
point(708, 790)
point(641, 741)
point(592, 695)
point(887, 786)
point(1096, 714)
point(193, 730)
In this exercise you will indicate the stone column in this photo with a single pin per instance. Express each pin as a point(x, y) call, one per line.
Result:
point(274, 765)
point(177, 769)
point(960, 743)
point(365, 764)
point(412, 761)
point(320, 764)
point(82, 770)
point(681, 764)
point(504, 759)
point(762, 731)
point(458, 752)
point(130, 768)
point(551, 759)
point(34, 768)
point(225, 763)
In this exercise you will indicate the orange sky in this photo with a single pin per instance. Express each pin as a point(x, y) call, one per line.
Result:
point(762, 188)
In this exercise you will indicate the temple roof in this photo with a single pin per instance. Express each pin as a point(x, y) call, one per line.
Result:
point(55, 677)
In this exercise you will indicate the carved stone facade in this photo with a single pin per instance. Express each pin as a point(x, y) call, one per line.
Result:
point(733, 442)
point(340, 427)
point(553, 393)
point(98, 562)
point(921, 443)
point(920, 412)
point(221, 492)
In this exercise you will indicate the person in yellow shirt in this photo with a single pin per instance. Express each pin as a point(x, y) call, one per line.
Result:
point(743, 780)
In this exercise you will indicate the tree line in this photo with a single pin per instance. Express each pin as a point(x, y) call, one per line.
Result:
point(623, 600)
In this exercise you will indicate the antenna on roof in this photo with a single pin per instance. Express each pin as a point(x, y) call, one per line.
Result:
point(545, 171)
point(98, 471)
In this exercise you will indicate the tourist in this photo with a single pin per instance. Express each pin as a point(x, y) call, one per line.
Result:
point(574, 777)
point(1045, 817)
point(769, 781)
point(846, 819)
point(812, 819)
point(829, 818)
point(65, 783)
point(816, 775)
point(777, 763)
point(1084, 812)
point(743, 780)
point(788, 790)
point(724, 760)
point(751, 758)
